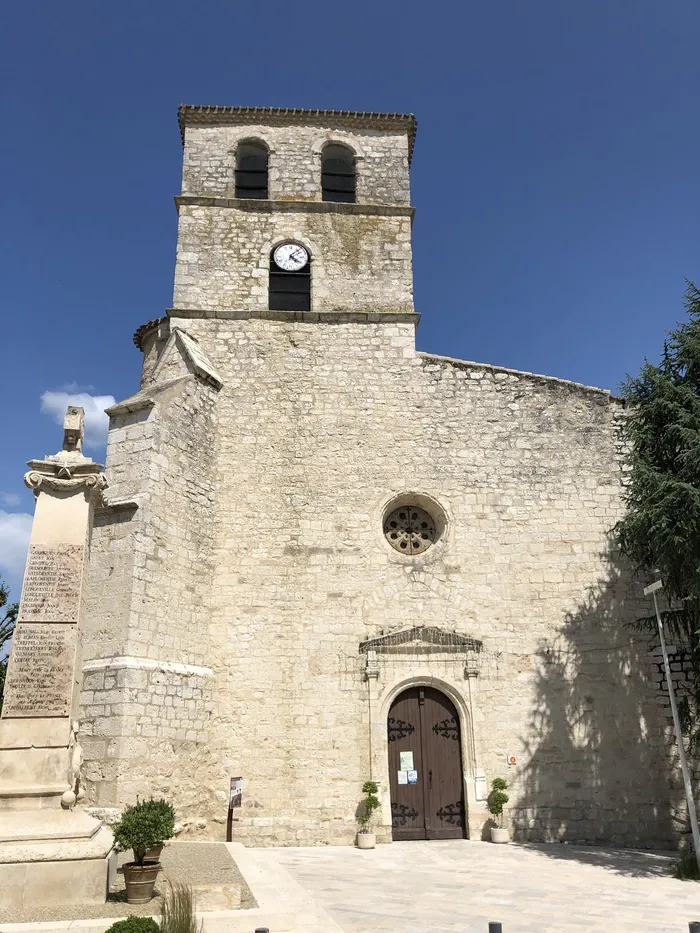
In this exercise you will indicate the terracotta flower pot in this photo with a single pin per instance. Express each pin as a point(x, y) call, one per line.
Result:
point(499, 834)
point(140, 881)
point(366, 840)
point(153, 855)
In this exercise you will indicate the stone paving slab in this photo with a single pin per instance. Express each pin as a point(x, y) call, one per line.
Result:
point(207, 866)
point(455, 886)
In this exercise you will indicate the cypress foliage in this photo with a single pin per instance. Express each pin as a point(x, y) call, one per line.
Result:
point(661, 531)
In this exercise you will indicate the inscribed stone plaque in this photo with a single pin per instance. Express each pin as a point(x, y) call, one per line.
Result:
point(51, 591)
point(41, 671)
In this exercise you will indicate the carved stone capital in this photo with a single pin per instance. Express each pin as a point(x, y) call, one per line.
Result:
point(372, 666)
point(66, 480)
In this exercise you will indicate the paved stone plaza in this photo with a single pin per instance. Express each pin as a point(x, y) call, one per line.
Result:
point(431, 887)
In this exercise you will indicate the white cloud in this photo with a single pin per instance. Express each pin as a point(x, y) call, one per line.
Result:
point(9, 498)
point(55, 401)
point(15, 528)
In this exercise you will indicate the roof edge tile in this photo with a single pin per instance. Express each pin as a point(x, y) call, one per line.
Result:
point(199, 114)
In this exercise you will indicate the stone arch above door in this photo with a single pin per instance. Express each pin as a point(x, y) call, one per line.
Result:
point(461, 690)
point(431, 656)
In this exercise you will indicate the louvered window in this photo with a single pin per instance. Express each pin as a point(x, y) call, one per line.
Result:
point(251, 171)
point(338, 174)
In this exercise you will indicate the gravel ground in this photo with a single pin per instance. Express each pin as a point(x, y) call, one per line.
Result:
point(194, 863)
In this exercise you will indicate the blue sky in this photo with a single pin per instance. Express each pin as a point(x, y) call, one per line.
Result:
point(555, 178)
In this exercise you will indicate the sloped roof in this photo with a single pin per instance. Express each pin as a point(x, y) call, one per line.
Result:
point(195, 114)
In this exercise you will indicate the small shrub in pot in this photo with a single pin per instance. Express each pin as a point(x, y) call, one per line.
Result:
point(146, 824)
point(134, 925)
point(366, 838)
point(496, 801)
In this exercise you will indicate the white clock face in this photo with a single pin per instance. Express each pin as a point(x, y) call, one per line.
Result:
point(291, 257)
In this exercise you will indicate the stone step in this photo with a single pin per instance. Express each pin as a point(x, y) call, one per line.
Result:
point(41, 825)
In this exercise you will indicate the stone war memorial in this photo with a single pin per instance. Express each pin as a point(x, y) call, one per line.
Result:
point(51, 850)
point(324, 556)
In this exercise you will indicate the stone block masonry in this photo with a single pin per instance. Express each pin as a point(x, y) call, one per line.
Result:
point(360, 262)
point(318, 426)
point(241, 562)
point(295, 161)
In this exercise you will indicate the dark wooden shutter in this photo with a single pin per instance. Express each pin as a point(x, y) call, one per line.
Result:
point(338, 177)
point(251, 171)
point(290, 291)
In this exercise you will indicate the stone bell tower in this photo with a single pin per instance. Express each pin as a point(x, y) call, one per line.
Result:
point(293, 272)
point(336, 183)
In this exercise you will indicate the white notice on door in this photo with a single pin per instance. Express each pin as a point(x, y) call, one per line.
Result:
point(406, 761)
point(403, 777)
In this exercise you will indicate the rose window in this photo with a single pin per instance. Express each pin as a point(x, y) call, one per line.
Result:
point(409, 529)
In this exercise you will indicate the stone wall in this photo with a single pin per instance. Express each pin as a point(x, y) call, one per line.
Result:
point(148, 602)
point(359, 261)
point(317, 427)
point(145, 727)
point(360, 253)
point(294, 166)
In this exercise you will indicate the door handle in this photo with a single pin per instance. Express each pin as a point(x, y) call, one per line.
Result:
point(430, 780)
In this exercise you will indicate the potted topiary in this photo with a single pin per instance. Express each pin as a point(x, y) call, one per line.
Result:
point(496, 801)
point(366, 839)
point(145, 825)
point(134, 925)
point(160, 810)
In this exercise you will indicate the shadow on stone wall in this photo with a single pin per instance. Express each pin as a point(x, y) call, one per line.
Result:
point(598, 751)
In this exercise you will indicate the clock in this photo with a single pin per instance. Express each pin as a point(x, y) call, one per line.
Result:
point(291, 257)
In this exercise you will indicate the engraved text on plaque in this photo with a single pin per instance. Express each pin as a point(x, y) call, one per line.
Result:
point(51, 590)
point(41, 671)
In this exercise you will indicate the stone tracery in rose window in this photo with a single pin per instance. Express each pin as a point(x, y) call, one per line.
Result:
point(409, 529)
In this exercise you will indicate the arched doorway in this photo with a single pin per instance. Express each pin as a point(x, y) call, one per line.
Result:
point(425, 766)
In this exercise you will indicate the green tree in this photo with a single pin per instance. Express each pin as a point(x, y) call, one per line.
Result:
point(8, 620)
point(661, 530)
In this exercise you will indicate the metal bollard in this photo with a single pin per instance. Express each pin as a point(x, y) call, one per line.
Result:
point(262, 930)
point(498, 928)
point(694, 926)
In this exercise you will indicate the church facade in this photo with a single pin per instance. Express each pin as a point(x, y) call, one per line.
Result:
point(327, 557)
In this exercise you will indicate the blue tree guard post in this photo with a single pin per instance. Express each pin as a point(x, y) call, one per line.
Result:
point(498, 928)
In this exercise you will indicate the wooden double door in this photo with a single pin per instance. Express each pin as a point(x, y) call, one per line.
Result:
point(425, 766)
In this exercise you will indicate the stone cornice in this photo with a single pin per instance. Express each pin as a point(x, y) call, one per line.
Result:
point(256, 206)
point(422, 639)
point(204, 115)
point(128, 662)
point(145, 398)
point(145, 329)
point(534, 377)
point(115, 506)
point(309, 317)
point(66, 474)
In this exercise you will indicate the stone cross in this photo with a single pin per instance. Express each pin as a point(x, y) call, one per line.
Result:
point(74, 429)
